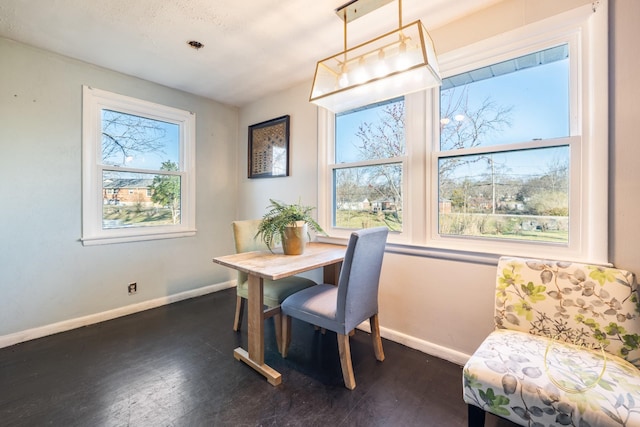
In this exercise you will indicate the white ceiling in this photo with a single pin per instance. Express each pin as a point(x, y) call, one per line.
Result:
point(251, 47)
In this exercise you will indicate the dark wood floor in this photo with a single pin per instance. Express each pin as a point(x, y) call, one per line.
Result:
point(174, 366)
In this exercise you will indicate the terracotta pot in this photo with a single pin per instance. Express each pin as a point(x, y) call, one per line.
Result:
point(294, 239)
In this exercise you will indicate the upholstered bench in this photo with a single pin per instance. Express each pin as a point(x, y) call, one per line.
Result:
point(565, 351)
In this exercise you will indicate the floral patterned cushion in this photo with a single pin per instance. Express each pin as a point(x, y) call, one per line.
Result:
point(537, 381)
point(578, 303)
point(566, 349)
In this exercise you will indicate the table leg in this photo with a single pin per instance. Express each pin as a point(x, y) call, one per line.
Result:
point(255, 333)
point(331, 273)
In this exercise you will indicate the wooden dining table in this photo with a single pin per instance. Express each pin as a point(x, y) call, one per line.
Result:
point(260, 265)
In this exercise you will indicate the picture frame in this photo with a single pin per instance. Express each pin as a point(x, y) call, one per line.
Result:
point(268, 155)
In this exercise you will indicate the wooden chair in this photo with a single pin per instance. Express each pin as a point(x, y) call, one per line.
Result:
point(244, 233)
point(341, 308)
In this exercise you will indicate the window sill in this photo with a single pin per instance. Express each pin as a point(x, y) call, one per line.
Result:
point(107, 240)
point(425, 252)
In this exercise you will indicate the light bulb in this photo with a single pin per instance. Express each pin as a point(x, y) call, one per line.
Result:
point(343, 81)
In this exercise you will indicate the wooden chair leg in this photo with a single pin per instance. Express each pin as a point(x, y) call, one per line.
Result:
point(286, 335)
point(345, 361)
point(476, 416)
point(375, 337)
point(237, 322)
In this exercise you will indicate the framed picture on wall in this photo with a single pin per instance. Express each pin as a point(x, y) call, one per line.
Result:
point(269, 148)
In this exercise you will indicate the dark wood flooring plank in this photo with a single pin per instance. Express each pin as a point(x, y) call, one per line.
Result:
point(174, 366)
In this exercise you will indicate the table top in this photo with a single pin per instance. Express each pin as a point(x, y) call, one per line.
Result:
point(276, 265)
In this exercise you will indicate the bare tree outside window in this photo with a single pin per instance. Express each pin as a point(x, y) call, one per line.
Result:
point(369, 193)
point(516, 193)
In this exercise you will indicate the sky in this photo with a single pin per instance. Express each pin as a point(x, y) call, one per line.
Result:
point(538, 96)
point(169, 143)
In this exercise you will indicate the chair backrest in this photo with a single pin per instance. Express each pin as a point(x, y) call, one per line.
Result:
point(360, 276)
point(579, 303)
point(244, 235)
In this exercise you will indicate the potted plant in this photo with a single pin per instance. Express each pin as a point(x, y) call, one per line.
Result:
point(289, 224)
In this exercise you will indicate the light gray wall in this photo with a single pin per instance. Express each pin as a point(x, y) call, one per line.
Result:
point(46, 275)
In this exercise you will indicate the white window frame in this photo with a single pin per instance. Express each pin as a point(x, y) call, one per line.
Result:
point(412, 165)
point(93, 102)
point(586, 33)
point(581, 29)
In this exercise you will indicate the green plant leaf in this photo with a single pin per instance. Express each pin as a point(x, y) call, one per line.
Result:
point(280, 215)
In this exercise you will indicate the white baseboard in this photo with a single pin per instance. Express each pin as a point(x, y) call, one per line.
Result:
point(54, 328)
point(433, 349)
point(66, 325)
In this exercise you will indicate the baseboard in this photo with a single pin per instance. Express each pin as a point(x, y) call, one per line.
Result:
point(436, 350)
point(54, 328)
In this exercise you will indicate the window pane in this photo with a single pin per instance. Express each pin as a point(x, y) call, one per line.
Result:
point(373, 132)
point(138, 142)
point(139, 199)
point(368, 196)
point(520, 195)
point(523, 99)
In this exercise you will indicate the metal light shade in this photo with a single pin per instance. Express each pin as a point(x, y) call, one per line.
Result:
point(394, 64)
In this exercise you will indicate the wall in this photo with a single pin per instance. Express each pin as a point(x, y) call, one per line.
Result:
point(445, 307)
point(624, 110)
point(47, 277)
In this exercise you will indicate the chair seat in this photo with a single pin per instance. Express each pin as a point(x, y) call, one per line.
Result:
point(276, 292)
point(536, 381)
point(316, 305)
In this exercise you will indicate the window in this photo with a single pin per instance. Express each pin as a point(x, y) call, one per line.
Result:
point(504, 155)
point(368, 166)
point(138, 169)
point(509, 156)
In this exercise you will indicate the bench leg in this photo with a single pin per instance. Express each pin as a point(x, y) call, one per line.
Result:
point(476, 416)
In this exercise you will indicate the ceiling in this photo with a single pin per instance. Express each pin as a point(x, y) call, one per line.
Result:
point(252, 48)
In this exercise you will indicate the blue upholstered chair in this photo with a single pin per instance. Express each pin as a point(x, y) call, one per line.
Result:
point(244, 233)
point(341, 308)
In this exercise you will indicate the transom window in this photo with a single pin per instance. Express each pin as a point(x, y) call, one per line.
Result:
point(138, 169)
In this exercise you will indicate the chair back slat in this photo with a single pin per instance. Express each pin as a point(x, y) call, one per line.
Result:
point(244, 235)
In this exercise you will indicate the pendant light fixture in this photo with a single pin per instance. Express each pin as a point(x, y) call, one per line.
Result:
point(393, 64)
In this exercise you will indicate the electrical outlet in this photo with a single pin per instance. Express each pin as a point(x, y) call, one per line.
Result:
point(132, 288)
